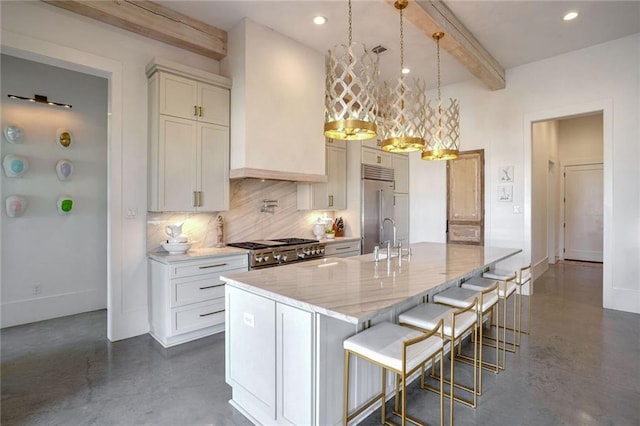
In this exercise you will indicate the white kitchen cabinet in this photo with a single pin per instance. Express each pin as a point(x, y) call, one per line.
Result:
point(375, 143)
point(401, 217)
point(262, 334)
point(376, 157)
point(188, 139)
point(187, 298)
point(400, 163)
point(192, 166)
point(186, 98)
point(330, 195)
point(342, 248)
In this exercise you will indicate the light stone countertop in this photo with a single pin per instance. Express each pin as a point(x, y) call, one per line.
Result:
point(356, 289)
point(339, 240)
point(195, 254)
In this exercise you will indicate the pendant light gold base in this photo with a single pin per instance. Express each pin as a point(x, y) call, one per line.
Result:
point(350, 130)
point(440, 154)
point(403, 144)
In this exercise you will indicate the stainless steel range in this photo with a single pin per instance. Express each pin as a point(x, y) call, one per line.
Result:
point(267, 253)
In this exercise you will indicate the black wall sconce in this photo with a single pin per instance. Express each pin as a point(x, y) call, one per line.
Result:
point(40, 99)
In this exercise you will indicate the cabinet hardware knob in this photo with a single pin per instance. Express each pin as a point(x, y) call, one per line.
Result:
point(212, 266)
point(379, 159)
point(200, 111)
point(195, 199)
point(195, 110)
point(211, 313)
point(199, 198)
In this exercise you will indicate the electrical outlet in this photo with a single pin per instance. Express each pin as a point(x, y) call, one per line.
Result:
point(37, 289)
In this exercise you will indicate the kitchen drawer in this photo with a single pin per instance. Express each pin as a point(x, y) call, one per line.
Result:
point(342, 248)
point(197, 316)
point(198, 289)
point(209, 266)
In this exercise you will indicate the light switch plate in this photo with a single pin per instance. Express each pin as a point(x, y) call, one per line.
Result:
point(248, 319)
point(516, 209)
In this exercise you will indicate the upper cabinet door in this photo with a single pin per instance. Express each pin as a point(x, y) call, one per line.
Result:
point(337, 173)
point(401, 173)
point(178, 96)
point(213, 105)
point(213, 167)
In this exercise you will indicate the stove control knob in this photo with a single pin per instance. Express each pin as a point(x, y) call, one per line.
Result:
point(284, 258)
point(259, 259)
point(301, 255)
point(306, 251)
point(277, 256)
point(265, 258)
point(321, 250)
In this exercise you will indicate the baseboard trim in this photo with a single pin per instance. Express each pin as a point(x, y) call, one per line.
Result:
point(43, 308)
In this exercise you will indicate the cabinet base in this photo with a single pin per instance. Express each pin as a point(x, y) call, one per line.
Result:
point(168, 342)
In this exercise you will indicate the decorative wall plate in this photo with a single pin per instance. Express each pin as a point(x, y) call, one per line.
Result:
point(64, 169)
point(13, 134)
point(64, 138)
point(15, 205)
point(64, 204)
point(15, 166)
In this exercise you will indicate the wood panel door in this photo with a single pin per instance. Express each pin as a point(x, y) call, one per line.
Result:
point(465, 198)
point(583, 212)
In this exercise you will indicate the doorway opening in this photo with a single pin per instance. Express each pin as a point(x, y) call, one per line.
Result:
point(567, 190)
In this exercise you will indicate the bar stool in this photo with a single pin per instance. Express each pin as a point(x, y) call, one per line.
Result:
point(398, 349)
point(506, 290)
point(427, 317)
point(523, 276)
point(487, 300)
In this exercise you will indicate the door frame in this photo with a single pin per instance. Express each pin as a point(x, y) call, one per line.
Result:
point(604, 106)
point(563, 166)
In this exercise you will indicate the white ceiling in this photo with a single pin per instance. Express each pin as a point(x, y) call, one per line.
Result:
point(515, 32)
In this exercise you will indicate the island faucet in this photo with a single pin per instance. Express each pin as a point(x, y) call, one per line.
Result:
point(393, 223)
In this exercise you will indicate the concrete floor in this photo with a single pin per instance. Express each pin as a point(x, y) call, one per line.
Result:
point(581, 366)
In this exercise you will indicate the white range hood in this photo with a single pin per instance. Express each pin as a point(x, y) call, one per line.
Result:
point(277, 106)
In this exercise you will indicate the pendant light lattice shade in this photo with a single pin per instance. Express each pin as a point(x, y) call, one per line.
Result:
point(443, 131)
point(402, 106)
point(443, 123)
point(351, 93)
point(402, 116)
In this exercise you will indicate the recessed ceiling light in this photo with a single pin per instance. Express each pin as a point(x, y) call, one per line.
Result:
point(319, 20)
point(406, 70)
point(570, 16)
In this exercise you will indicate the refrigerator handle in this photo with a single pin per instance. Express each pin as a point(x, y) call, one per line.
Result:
point(380, 225)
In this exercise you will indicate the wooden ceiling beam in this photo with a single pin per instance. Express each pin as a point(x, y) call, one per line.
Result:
point(433, 16)
point(154, 21)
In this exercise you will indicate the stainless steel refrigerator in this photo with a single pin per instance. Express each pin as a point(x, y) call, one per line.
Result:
point(377, 204)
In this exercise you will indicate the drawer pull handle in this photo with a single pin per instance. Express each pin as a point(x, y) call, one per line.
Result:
point(211, 313)
point(211, 286)
point(212, 266)
point(342, 248)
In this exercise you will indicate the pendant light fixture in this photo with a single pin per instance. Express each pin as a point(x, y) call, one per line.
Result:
point(443, 124)
point(402, 107)
point(351, 91)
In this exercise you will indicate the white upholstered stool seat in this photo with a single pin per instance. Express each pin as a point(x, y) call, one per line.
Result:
point(382, 344)
point(462, 297)
point(401, 350)
point(480, 284)
point(523, 276)
point(427, 316)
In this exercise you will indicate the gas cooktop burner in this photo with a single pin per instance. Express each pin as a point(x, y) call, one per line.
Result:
point(263, 244)
point(278, 251)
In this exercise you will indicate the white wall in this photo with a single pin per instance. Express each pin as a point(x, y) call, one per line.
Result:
point(581, 139)
point(53, 35)
point(276, 102)
point(603, 77)
point(66, 256)
point(543, 149)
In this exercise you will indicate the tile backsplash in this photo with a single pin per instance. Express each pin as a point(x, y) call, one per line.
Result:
point(244, 221)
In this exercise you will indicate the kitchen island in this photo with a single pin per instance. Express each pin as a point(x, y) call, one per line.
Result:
point(285, 326)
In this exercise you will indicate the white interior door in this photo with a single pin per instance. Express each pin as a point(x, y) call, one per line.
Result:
point(583, 212)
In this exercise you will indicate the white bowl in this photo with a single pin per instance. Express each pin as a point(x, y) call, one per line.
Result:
point(176, 248)
point(329, 236)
